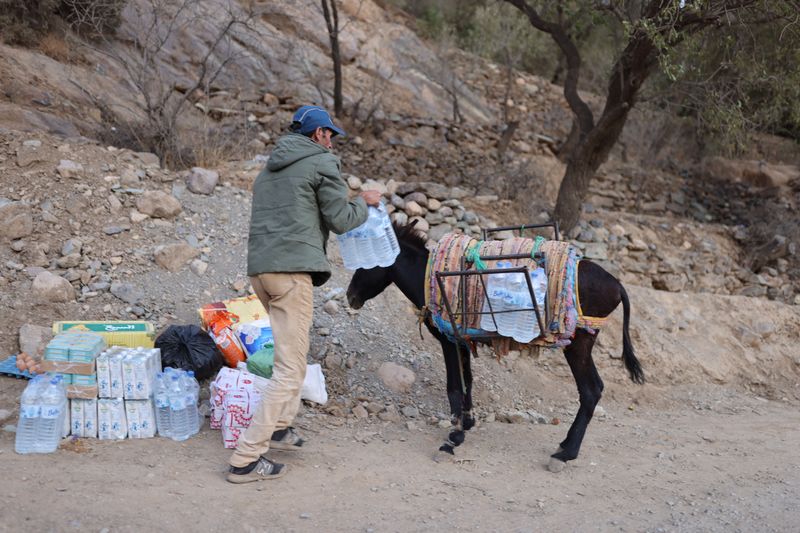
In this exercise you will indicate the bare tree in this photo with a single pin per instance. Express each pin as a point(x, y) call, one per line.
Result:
point(652, 28)
point(152, 28)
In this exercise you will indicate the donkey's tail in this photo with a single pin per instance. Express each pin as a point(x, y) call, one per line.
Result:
point(628, 357)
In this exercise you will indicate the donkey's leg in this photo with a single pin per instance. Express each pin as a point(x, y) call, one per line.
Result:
point(590, 389)
point(468, 419)
point(455, 395)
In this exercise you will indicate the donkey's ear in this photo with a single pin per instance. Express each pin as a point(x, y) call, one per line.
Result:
point(413, 223)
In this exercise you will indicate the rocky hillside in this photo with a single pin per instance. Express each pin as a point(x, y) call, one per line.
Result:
point(90, 230)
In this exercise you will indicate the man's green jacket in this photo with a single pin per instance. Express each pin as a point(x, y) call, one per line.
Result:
point(297, 199)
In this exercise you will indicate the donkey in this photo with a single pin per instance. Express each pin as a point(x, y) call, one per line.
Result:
point(599, 292)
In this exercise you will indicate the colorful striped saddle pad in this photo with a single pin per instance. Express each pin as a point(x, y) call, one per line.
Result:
point(560, 262)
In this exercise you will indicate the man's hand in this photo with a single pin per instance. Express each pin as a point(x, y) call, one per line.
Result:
point(371, 197)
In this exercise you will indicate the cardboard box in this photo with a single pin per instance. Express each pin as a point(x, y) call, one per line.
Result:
point(66, 367)
point(85, 392)
point(131, 333)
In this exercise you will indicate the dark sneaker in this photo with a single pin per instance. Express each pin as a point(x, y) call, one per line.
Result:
point(258, 470)
point(286, 440)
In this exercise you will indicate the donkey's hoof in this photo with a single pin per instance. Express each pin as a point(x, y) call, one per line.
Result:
point(556, 465)
point(444, 454)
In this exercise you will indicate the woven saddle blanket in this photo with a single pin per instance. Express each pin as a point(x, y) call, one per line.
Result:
point(562, 312)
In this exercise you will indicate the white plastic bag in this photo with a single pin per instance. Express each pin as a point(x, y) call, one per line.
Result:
point(314, 385)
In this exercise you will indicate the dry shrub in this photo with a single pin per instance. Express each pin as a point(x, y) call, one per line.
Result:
point(55, 46)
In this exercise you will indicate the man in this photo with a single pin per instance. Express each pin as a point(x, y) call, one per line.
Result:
point(297, 199)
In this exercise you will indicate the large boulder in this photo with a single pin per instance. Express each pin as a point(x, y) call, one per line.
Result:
point(395, 377)
point(201, 180)
point(158, 204)
point(174, 256)
point(47, 287)
point(16, 220)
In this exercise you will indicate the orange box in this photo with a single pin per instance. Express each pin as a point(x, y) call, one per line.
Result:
point(67, 367)
point(82, 392)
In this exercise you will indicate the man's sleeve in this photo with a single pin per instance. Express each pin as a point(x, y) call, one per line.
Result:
point(338, 212)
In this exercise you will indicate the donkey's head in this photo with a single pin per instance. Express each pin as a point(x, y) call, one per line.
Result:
point(366, 284)
point(407, 272)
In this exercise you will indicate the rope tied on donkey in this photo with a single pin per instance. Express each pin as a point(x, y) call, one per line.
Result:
point(562, 307)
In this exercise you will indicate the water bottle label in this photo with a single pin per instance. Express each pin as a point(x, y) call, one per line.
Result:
point(162, 402)
point(30, 411)
point(51, 411)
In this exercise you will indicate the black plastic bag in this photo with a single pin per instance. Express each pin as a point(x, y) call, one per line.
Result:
point(189, 348)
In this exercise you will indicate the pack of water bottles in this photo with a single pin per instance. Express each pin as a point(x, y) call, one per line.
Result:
point(372, 244)
point(508, 310)
point(128, 373)
point(43, 415)
point(176, 396)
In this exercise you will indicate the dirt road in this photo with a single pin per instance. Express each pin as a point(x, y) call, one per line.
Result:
point(685, 459)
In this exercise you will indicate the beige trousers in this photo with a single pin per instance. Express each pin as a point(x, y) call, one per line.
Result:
point(289, 299)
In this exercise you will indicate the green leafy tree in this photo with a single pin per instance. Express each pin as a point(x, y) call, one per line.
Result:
point(651, 30)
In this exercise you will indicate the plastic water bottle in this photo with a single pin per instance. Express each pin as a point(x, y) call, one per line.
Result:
point(372, 244)
point(30, 411)
point(512, 301)
point(191, 393)
point(179, 421)
point(53, 400)
point(496, 290)
point(163, 421)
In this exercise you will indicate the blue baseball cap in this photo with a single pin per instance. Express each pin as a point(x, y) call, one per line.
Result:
point(311, 117)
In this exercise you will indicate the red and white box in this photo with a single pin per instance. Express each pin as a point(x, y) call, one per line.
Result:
point(230, 379)
point(238, 407)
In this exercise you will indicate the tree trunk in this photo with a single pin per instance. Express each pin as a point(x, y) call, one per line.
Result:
point(331, 14)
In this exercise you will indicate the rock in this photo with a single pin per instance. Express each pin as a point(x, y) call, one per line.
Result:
point(437, 232)
point(33, 339)
point(71, 246)
point(360, 412)
point(421, 225)
point(16, 220)
point(149, 160)
point(126, 292)
point(331, 307)
point(417, 197)
point(30, 153)
point(514, 417)
point(470, 218)
point(198, 267)
point(201, 180)
point(239, 285)
point(69, 261)
point(410, 411)
point(354, 182)
point(596, 250)
point(637, 245)
point(752, 290)
point(114, 205)
point(434, 205)
point(399, 217)
point(434, 218)
point(137, 217)
point(413, 209)
point(115, 229)
point(158, 204)
point(390, 414)
point(670, 282)
point(372, 185)
point(48, 287)
point(69, 169)
point(173, 256)
point(18, 246)
point(397, 378)
point(131, 177)
point(486, 199)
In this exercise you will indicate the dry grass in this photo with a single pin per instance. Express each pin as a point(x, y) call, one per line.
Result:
point(54, 45)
